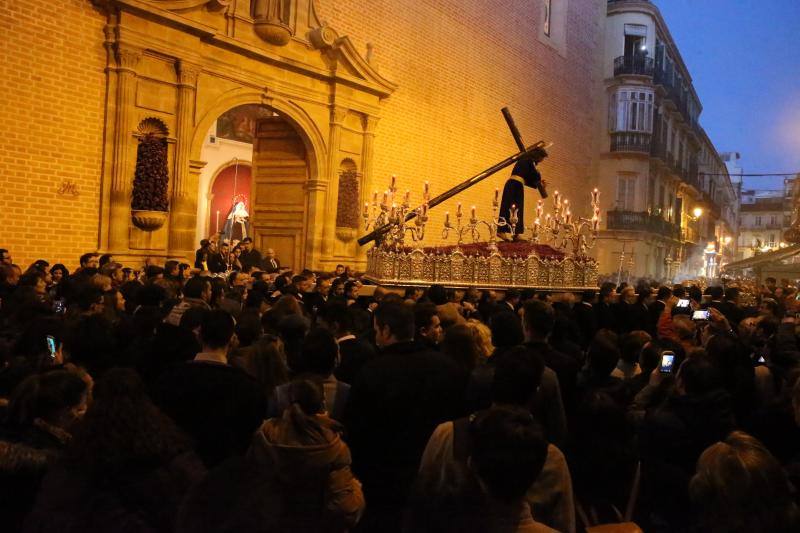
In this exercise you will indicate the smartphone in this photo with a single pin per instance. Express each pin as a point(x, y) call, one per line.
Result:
point(762, 360)
point(51, 346)
point(59, 306)
point(701, 314)
point(667, 360)
point(683, 303)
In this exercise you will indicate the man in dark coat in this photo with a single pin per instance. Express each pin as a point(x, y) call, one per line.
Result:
point(523, 175)
point(250, 257)
point(538, 322)
point(396, 402)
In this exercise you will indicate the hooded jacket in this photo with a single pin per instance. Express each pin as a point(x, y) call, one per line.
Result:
point(311, 464)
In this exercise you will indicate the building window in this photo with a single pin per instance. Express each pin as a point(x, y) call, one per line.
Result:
point(758, 220)
point(626, 192)
point(773, 220)
point(548, 5)
point(631, 110)
point(771, 240)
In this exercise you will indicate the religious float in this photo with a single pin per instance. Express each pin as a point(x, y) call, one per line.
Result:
point(550, 254)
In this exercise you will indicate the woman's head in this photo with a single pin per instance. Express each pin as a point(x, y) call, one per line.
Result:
point(58, 397)
point(741, 487)
point(59, 272)
point(123, 429)
point(460, 346)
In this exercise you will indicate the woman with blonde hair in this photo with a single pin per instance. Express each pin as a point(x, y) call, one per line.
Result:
point(483, 338)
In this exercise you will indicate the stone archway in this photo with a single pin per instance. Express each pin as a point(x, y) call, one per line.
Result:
point(288, 157)
point(185, 63)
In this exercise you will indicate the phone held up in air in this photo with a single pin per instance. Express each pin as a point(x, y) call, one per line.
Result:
point(667, 362)
point(51, 346)
point(701, 315)
point(683, 303)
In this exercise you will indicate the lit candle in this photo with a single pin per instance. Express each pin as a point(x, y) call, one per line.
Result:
point(536, 223)
point(385, 198)
point(427, 188)
point(408, 197)
point(458, 210)
point(447, 218)
point(557, 199)
point(496, 196)
point(394, 181)
point(394, 208)
point(473, 211)
point(217, 230)
point(595, 195)
point(539, 209)
point(366, 209)
point(375, 198)
point(568, 216)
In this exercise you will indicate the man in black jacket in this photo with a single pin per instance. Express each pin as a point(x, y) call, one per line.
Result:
point(396, 401)
point(250, 257)
point(538, 322)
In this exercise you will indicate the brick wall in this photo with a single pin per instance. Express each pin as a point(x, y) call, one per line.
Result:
point(53, 85)
point(457, 64)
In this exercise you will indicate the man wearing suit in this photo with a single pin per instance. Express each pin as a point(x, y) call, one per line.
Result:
point(270, 264)
point(584, 316)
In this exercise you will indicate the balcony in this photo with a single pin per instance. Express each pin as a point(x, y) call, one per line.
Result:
point(690, 234)
point(630, 141)
point(642, 221)
point(658, 149)
point(638, 65)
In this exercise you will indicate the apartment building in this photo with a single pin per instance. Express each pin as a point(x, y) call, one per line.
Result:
point(665, 185)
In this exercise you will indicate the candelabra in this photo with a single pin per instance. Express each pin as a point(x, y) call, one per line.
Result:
point(562, 229)
point(472, 227)
point(388, 211)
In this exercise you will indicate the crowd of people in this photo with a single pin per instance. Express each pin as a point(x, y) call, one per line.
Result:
point(235, 395)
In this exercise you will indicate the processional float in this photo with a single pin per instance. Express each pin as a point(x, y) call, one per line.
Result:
point(552, 256)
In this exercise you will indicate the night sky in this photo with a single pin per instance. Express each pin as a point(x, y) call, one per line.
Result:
point(744, 58)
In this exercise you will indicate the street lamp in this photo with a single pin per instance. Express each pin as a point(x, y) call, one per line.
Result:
point(697, 212)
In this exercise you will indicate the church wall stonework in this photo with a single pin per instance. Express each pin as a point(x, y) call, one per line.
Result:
point(53, 85)
point(455, 64)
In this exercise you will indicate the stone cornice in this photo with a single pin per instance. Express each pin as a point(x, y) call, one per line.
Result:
point(347, 66)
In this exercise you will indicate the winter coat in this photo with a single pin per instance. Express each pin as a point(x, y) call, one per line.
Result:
point(311, 466)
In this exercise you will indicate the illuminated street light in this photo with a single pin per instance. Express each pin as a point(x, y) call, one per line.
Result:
point(697, 212)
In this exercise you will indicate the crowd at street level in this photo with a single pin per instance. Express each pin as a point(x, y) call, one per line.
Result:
point(174, 400)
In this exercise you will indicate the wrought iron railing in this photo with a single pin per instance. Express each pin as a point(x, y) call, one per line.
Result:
point(630, 141)
point(641, 221)
point(638, 64)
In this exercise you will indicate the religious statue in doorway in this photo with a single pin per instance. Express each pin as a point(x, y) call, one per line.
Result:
point(237, 223)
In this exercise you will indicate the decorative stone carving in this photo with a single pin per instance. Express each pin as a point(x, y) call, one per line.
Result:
point(148, 220)
point(272, 18)
point(187, 73)
point(128, 58)
point(323, 37)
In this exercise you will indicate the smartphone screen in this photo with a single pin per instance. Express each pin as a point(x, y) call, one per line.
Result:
point(59, 306)
point(701, 314)
point(683, 303)
point(51, 346)
point(667, 360)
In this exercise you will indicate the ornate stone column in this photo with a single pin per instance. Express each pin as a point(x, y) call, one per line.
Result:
point(367, 150)
point(338, 115)
point(122, 170)
point(183, 205)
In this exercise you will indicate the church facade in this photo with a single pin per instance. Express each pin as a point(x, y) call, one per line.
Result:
point(295, 110)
